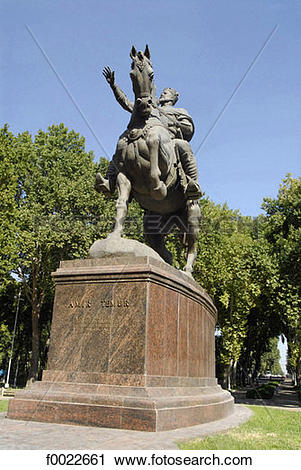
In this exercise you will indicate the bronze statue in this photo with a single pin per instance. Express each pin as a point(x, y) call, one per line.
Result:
point(154, 163)
point(180, 126)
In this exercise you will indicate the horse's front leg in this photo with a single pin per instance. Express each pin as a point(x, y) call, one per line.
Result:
point(124, 189)
point(158, 189)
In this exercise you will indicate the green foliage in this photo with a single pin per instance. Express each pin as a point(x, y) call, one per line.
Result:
point(270, 359)
point(5, 342)
point(283, 231)
point(56, 200)
point(3, 405)
point(22, 340)
point(8, 208)
point(232, 265)
point(56, 212)
point(133, 227)
point(264, 391)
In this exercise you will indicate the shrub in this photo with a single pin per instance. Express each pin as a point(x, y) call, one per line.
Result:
point(264, 391)
point(252, 393)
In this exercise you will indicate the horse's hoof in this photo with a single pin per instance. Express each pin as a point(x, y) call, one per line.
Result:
point(187, 273)
point(114, 235)
point(160, 192)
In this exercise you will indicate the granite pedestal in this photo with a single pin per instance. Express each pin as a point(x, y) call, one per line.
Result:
point(131, 347)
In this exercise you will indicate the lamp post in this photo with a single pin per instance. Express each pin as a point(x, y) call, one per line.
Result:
point(13, 340)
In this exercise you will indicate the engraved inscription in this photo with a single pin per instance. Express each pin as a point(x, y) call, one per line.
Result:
point(77, 304)
point(103, 303)
point(114, 303)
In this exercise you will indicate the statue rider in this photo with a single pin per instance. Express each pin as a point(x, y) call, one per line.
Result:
point(180, 126)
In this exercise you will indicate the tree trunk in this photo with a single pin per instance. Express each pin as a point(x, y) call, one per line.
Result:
point(257, 366)
point(298, 371)
point(294, 378)
point(33, 371)
point(233, 374)
point(227, 376)
point(37, 301)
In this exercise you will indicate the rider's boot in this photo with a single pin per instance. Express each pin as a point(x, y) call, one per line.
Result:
point(112, 173)
point(108, 184)
point(192, 190)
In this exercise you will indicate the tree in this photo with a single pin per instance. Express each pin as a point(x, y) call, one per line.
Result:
point(283, 231)
point(264, 319)
point(270, 359)
point(58, 214)
point(8, 208)
point(238, 268)
point(222, 268)
point(9, 306)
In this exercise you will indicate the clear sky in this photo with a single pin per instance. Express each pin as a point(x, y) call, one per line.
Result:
point(203, 48)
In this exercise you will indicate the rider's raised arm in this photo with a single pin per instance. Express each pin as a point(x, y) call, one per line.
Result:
point(118, 93)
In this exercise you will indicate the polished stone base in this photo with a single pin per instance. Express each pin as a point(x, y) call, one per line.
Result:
point(136, 408)
point(131, 347)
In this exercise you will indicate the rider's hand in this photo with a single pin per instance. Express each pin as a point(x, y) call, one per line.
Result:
point(109, 75)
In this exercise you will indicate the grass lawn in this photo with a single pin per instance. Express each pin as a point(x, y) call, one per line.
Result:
point(268, 428)
point(3, 405)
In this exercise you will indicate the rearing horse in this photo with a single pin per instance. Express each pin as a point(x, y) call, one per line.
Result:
point(146, 166)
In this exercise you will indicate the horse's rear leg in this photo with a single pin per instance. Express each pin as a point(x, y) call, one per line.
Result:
point(157, 243)
point(193, 228)
point(124, 189)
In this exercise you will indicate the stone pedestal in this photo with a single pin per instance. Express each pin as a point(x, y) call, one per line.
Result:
point(131, 347)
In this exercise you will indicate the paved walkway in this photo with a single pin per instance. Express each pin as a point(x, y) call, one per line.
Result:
point(39, 436)
point(286, 398)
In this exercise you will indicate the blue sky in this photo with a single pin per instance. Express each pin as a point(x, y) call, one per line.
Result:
point(203, 48)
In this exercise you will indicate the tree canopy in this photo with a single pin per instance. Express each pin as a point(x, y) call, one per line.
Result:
point(51, 212)
point(283, 232)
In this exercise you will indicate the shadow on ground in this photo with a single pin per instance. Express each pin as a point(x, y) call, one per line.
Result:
point(286, 398)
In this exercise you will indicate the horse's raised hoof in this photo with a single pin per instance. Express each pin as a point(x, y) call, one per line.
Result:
point(160, 192)
point(102, 185)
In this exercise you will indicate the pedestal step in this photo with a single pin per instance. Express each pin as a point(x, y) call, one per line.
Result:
point(136, 408)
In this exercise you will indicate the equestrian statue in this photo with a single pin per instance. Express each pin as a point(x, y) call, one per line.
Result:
point(154, 163)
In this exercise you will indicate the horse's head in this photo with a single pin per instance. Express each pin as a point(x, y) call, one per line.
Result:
point(142, 76)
